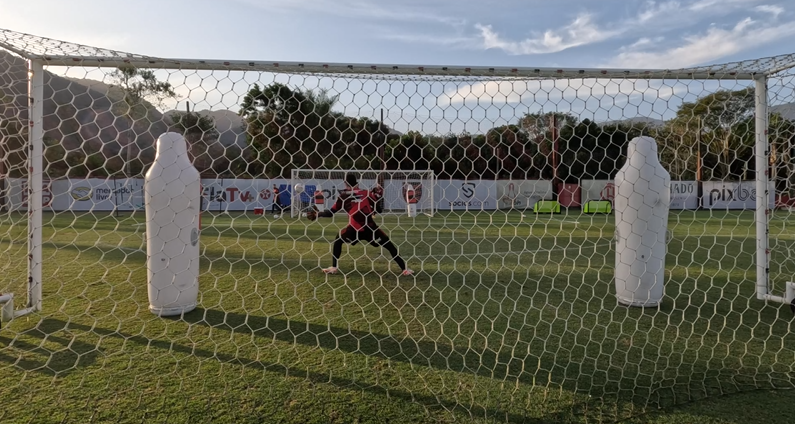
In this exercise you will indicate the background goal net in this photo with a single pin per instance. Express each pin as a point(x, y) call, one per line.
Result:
point(512, 312)
point(395, 183)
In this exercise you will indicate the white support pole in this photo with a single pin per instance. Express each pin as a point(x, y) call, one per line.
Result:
point(35, 154)
point(762, 152)
point(433, 194)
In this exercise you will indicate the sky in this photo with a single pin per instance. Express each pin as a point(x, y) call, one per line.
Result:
point(528, 33)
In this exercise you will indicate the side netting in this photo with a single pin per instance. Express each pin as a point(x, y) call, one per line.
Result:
point(589, 244)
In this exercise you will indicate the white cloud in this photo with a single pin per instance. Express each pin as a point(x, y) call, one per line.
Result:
point(554, 92)
point(707, 47)
point(643, 42)
point(719, 5)
point(437, 39)
point(772, 9)
point(583, 30)
point(579, 32)
point(655, 10)
point(359, 8)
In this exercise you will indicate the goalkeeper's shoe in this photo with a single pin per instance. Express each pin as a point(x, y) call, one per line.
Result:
point(407, 272)
point(330, 270)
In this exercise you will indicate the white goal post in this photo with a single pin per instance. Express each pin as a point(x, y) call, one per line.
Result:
point(321, 187)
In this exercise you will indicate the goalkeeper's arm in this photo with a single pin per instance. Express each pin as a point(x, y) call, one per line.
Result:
point(328, 213)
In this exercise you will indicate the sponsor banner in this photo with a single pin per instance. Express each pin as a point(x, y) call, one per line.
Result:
point(684, 194)
point(522, 194)
point(395, 194)
point(734, 195)
point(227, 194)
point(98, 194)
point(330, 187)
point(17, 194)
point(597, 190)
point(472, 195)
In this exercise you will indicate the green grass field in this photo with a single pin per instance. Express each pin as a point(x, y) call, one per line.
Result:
point(508, 319)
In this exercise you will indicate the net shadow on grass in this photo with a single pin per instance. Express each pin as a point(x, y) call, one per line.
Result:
point(750, 347)
point(699, 379)
point(500, 366)
point(81, 355)
point(54, 356)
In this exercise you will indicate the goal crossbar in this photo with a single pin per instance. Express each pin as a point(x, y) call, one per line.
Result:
point(383, 69)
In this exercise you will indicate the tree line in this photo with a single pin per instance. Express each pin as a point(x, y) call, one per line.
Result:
point(711, 138)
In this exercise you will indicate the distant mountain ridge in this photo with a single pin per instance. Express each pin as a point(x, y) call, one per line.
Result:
point(77, 114)
point(89, 114)
point(228, 124)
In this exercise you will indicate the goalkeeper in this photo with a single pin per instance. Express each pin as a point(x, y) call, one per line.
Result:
point(360, 205)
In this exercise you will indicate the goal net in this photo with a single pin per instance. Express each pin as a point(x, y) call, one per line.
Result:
point(534, 223)
point(321, 188)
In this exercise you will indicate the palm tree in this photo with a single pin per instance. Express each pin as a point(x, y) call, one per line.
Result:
point(321, 102)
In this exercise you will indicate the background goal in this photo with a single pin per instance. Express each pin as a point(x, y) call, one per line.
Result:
point(511, 314)
point(394, 183)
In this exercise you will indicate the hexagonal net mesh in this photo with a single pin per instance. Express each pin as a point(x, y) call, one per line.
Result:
point(183, 239)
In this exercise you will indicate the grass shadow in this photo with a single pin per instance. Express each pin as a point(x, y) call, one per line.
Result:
point(428, 401)
point(606, 382)
point(54, 355)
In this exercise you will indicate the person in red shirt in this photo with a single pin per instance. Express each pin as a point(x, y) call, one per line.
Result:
point(360, 206)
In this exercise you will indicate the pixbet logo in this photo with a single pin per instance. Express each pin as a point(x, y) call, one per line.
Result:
point(725, 194)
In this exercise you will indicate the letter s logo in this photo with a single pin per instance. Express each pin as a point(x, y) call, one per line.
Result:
point(468, 189)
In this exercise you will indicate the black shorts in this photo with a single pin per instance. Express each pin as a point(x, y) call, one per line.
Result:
point(374, 236)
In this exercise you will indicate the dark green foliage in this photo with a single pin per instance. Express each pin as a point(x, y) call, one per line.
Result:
point(289, 128)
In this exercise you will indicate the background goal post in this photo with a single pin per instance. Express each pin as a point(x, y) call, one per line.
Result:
point(394, 183)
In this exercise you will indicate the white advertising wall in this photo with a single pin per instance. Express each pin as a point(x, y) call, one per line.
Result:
point(522, 194)
point(241, 194)
point(597, 190)
point(394, 191)
point(471, 195)
point(17, 192)
point(99, 194)
point(684, 194)
point(395, 194)
point(734, 195)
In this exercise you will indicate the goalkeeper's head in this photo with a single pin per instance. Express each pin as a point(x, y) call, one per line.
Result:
point(350, 180)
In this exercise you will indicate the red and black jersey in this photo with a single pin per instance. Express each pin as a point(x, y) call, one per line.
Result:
point(360, 205)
